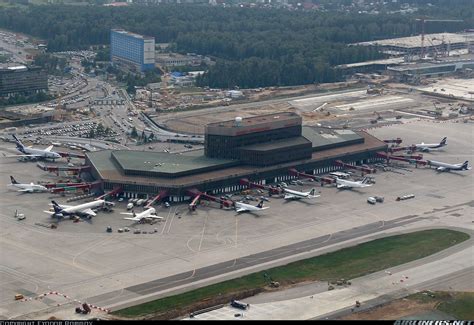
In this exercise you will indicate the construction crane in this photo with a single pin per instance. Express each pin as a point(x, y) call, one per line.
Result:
point(59, 110)
point(164, 82)
point(423, 20)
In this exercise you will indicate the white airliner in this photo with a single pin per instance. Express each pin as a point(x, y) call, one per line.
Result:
point(295, 195)
point(340, 174)
point(444, 167)
point(33, 154)
point(27, 188)
point(142, 216)
point(342, 183)
point(244, 207)
point(427, 147)
point(82, 210)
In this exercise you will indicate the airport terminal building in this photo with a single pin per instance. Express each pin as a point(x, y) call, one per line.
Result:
point(261, 149)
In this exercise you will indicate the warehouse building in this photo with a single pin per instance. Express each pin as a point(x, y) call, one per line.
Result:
point(434, 44)
point(261, 149)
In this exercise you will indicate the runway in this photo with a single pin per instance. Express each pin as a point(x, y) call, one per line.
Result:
point(133, 292)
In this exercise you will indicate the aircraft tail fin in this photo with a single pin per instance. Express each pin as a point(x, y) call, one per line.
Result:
point(260, 204)
point(19, 144)
point(13, 180)
point(57, 208)
point(443, 141)
point(312, 192)
point(465, 165)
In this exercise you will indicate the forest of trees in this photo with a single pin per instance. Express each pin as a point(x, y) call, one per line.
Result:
point(253, 47)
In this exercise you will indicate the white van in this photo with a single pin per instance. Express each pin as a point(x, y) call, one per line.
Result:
point(129, 206)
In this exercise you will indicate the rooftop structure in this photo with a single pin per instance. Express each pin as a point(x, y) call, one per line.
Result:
point(410, 72)
point(269, 147)
point(224, 139)
point(222, 175)
point(176, 59)
point(415, 41)
point(433, 43)
point(240, 126)
point(161, 164)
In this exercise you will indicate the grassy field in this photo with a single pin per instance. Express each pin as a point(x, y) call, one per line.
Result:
point(457, 304)
point(460, 305)
point(347, 263)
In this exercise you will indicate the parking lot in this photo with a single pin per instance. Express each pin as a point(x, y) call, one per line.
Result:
point(84, 261)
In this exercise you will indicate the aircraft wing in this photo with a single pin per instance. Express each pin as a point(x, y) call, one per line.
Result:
point(63, 206)
point(241, 209)
point(264, 208)
point(134, 219)
point(290, 196)
point(25, 190)
point(127, 213)
point(342, 186)
point(49, 212)
point(442, 169)
point(88, 213)
point(11, 156)
point(49, 148)
point(154, 217)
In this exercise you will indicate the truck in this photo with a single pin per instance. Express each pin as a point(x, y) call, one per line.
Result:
point(405, 197)
point(379, 199)
point(86, 308)
point(140, 202)
point(238, 304)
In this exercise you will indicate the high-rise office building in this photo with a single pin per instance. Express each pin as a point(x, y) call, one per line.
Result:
point(132, 49)
point(22, 80)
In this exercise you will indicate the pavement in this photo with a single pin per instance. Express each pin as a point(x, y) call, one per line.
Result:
point(115, 270)
point(402, 280)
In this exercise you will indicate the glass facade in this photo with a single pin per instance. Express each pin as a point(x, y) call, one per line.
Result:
point(132, 48)
point(227, 147)
point(22, 81)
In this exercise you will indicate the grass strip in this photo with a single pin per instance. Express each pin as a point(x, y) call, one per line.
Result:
point(347, 263)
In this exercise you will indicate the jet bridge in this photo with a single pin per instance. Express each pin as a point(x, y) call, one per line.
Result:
point(395, 149)
point(197, 195)
point(270, 190)
point(322, 180)
point(367, 170)
point(157, 198)
point(113, 192)
point(53, 168)
point(396, 141)
point(400, 158)
point(63, 187)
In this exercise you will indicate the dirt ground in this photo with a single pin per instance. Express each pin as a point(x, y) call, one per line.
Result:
point(393, 310)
